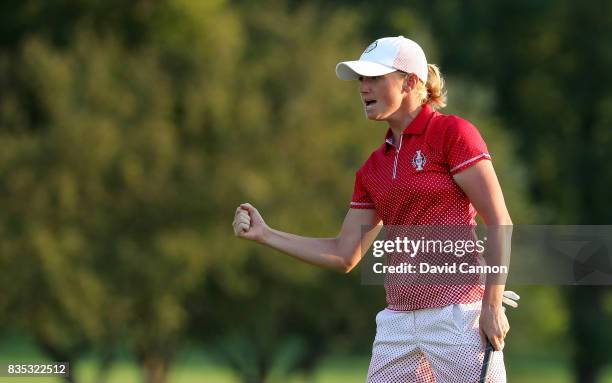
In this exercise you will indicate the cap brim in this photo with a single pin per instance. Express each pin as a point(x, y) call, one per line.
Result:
point(351, 70)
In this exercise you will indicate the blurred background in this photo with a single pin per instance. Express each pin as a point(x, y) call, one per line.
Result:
point(130, 132)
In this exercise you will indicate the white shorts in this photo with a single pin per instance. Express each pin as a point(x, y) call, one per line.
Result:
point(441, 345)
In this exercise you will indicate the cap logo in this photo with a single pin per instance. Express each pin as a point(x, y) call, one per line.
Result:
point(371, 47)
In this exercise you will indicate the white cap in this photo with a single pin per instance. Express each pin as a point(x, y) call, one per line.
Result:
point(384, 56)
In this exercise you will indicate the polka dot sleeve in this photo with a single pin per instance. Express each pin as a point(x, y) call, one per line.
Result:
point(463, 145)
point(361, 199)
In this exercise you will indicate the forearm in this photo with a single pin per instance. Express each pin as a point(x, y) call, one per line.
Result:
point(493, 295)
point(322, 252)
point(497, 254)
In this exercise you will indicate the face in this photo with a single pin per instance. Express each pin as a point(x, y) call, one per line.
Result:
point(382, 96)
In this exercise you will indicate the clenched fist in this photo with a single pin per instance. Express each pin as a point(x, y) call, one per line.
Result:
point(248, 223)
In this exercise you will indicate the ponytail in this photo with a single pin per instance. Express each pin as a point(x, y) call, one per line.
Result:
point(433, 93)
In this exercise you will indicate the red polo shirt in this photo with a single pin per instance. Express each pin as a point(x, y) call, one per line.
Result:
point(411, 183)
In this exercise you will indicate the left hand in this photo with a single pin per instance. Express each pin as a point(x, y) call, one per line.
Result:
point(494, 325)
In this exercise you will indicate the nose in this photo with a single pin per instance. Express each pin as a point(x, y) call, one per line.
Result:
point(364, 86)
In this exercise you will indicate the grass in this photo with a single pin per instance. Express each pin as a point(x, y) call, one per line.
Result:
point(337, 370)
point(194, 366)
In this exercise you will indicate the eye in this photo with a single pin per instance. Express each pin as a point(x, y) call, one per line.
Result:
point(360, 78)
point(376, 78)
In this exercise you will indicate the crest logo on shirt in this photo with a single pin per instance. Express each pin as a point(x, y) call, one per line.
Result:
point(419, 160)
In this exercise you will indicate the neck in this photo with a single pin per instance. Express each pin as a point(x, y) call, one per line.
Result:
point(399, 123)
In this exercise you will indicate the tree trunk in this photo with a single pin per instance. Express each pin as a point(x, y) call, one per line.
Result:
point(588, 327)
point(61, 355)
point(106, 361)
point(155, 369)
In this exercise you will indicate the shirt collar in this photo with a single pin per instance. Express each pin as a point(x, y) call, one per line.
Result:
point(416, 126)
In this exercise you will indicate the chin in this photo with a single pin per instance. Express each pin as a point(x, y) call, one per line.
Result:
point(374, 117)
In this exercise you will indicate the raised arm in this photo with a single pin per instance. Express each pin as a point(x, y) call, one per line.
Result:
point(341, 253)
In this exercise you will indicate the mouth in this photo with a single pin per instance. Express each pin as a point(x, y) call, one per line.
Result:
point(369, 102)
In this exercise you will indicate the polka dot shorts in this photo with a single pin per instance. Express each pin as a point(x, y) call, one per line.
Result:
point(441, 345)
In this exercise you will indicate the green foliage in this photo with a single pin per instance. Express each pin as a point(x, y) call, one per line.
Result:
point(131, 132)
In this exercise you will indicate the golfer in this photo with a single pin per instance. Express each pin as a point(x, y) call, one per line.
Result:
point(430, 169)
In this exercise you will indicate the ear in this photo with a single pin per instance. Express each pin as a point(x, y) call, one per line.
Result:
point(410, 82)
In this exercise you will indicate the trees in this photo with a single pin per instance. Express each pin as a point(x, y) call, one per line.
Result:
point(101, 199)
point(130, 132)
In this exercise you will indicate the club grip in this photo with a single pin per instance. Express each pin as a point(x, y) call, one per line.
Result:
point(486, 363)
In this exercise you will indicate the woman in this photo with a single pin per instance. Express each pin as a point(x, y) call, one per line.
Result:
point(431, 169)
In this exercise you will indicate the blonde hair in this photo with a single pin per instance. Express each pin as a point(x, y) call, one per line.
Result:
point(433, 93)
